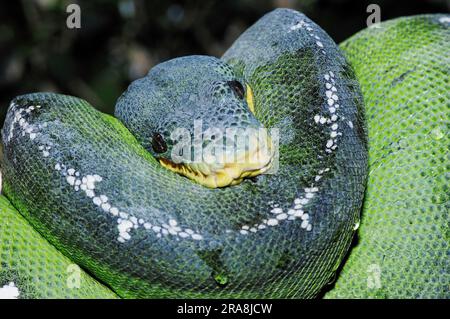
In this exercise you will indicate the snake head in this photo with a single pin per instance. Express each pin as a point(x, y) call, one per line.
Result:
point(196, 117)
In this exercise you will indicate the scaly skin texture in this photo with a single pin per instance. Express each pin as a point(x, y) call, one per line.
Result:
point(37, 268)
point(85, 183)
point(402, 249)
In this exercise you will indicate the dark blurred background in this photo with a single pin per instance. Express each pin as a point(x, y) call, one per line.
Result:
point(120, 40)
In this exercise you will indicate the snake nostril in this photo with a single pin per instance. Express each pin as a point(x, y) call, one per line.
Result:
point(158, 143)
point(237, 88)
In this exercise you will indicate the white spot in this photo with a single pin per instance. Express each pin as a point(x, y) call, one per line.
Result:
point(319, 44)
point(304, 201)
point(197, 237)
point(444, 20)
point(9, 291)
point(272, 222)
point(106, 207)
point(124, 226)
point(177, 229)
point(276, 210)
point(183, 235)
point(298, 213)
point(317, 118)
point(156, 229)
point(133, 220)
point(282, 216)
point(172, 231)
point(330, 102)
point(172, 222)
point(350, 124)
point(114, 211)
point(89, 193)
point(125, 235)
point(90, 184)
point(97, 201)
point(298, 25)
point(70, 180)
point(147, 225)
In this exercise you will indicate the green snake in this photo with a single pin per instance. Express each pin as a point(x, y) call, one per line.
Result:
point(106, 211)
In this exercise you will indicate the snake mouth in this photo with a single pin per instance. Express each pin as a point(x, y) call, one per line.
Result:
point(255, 160)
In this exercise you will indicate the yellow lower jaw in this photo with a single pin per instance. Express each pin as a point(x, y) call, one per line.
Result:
point(230, 174)
point(249, 99)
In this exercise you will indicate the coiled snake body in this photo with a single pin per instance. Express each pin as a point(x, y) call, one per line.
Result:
point(105, 193)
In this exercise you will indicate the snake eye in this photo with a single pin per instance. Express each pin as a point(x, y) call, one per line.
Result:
point(158, 143)
point(237, 88)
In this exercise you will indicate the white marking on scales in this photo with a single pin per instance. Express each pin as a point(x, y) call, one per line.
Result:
point(9, 291)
